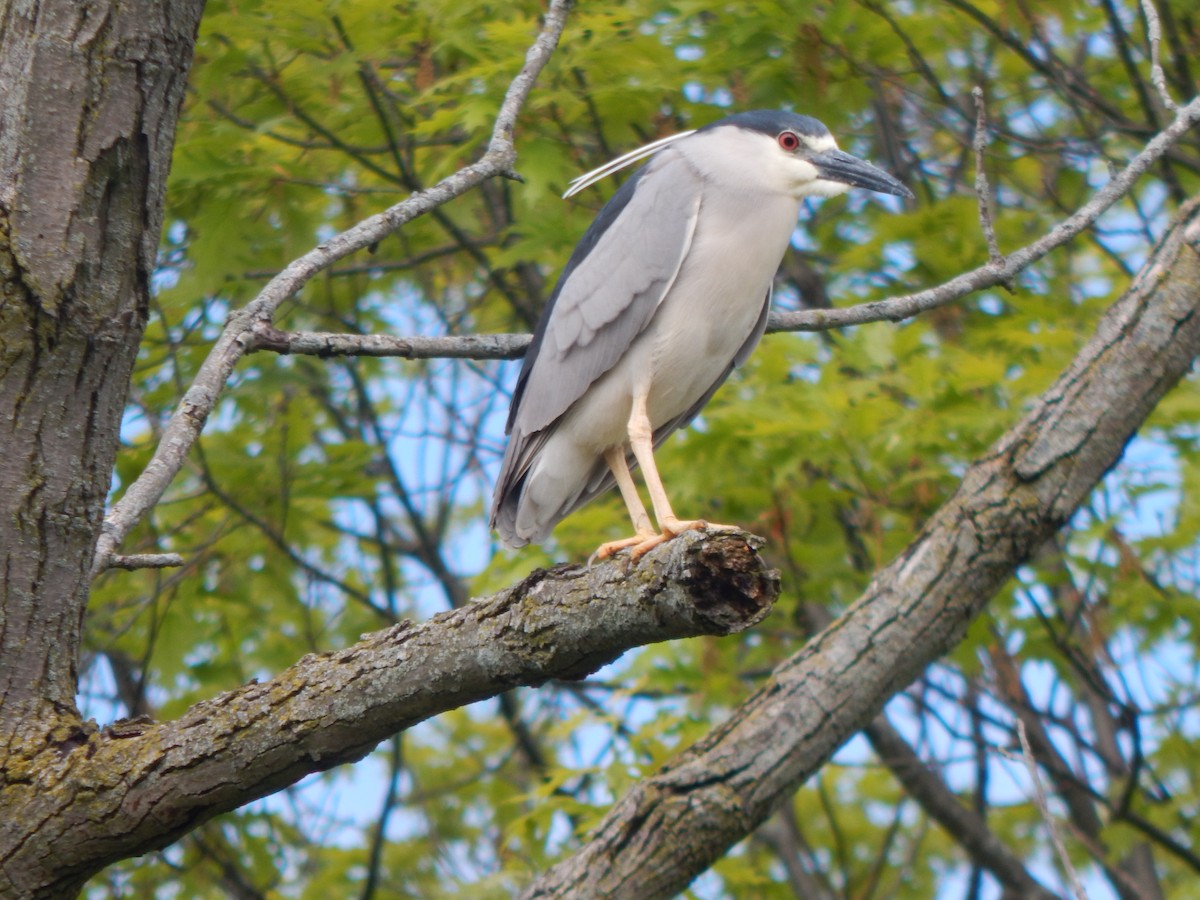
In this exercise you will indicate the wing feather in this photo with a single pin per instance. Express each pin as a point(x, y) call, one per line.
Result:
point(606, 297)
point(602, 479)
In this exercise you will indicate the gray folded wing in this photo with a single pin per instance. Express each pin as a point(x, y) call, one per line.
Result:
point(609, 296)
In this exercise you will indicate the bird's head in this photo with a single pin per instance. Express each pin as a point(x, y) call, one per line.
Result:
point(765, 150)
point(786, 152)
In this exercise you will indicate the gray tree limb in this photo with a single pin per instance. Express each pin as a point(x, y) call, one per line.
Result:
point(104, 795)
point(670, 827)
point(325, 344)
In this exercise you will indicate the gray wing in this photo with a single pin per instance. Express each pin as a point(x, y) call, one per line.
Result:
point(608, 296)
point(602, 478)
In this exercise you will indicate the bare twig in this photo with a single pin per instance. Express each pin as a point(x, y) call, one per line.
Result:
point(1154, 35)
point(982, 190)
point(391, 799)
point(467, 346)
point(1039, 799)
point(145, 561)
point(238, 336)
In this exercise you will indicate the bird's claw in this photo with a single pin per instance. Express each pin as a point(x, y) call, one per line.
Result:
point(675, 527)
point(642, 544)
point(611, 548)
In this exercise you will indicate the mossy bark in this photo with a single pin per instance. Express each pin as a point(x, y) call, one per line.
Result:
point(89, 98)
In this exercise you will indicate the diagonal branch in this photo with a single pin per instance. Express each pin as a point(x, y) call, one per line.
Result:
point(139, 785)
point(237, 337)
point(673, 825)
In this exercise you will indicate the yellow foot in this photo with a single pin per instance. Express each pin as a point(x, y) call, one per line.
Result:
point(604, 551)
point(673, 528)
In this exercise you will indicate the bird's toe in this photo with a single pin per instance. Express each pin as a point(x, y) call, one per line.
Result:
point(675, 527)
point(647, 545)
point(610, 548)
point(643, 542)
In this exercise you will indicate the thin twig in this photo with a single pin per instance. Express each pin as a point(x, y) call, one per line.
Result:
point(238, 335)
point(1039, 798)
point(146, 561)
point(315, 343)
point(1154, 33)
point(983, 191)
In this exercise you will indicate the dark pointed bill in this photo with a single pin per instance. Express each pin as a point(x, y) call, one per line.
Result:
point(834, 165)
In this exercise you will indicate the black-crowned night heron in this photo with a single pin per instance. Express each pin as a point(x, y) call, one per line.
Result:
point(667, 292)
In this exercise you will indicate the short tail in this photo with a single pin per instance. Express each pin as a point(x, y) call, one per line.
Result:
point(541, 483)
point(505, 504)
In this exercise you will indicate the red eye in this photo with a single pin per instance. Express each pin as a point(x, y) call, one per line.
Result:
point(788, 140)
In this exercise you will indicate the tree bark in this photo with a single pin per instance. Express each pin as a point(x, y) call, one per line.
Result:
point(89, 97)
point(138, 785)
point(671, 827)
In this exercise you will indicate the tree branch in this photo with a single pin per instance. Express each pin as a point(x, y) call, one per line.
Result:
point(238, 335)
point(145, 561)
point(1043, 806)
point(324, 344)
point(673, 825)
point(1154, 36)
point(983, 191)
point(150, 783)
point(999, 270)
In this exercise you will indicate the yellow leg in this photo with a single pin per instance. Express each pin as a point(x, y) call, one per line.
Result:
point(615, 457)
point(641, 440)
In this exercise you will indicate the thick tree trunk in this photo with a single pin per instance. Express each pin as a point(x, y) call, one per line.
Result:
point(90, 92)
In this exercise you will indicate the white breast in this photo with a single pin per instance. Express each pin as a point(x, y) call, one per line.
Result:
point(706, 317)
point(718, 296)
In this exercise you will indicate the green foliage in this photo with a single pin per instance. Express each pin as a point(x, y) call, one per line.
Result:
point(328, 498)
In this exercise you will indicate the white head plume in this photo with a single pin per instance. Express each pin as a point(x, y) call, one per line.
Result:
point(587, 179)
